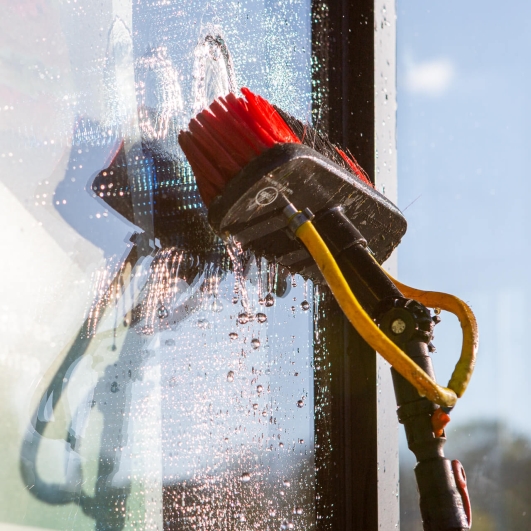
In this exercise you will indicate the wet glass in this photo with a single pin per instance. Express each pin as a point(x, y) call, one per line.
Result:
point(146, 382)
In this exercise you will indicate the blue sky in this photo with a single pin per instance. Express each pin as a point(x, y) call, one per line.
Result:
point(464, 129)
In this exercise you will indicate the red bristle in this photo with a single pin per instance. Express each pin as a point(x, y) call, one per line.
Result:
point(242, 110)
point(226, 137)
point(244, 149)
point(203, 170)
point(269, 118)
point(219, 128)
point(356, 168)
point(264, 113)
point(239, 130)
point(207, 190)
point(217, 179)
point(213, 150)
point(250, 135)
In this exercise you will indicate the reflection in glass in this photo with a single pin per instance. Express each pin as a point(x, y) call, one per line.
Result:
point(168, 377)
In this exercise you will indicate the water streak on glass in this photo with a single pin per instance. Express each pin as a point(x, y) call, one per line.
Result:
point(164, 378)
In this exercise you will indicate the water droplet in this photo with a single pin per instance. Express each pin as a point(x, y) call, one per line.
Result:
point(272, 513)
point(243, 318)
point(203, 323)
point(287, 483)
point(300, 403)
point(230, 376)
point(255, 406)
point(170, 342)
point(305, 305)
point(264, 413)
point(234, 300)
point(216, 306)
point(145, 330)
point(261, 317)
point(301, 441)
point(260, 388)
point(233, 335)
point(162, 312)
point(269, 300)
point(114, 387)
point(281, 445)
point(255, 343)
point(261, 301)
point(293, 309)
point(298, 510)
point(437, 311)
point(245, 477)
point(284, 525)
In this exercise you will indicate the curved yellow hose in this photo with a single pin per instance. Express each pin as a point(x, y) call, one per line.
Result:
point(365, 326)
point(434, 299)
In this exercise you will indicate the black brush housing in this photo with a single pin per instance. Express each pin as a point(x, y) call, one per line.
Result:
point(250, 207)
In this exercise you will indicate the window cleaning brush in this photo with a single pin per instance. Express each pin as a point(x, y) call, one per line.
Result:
point(286, 193)
point(257, 178)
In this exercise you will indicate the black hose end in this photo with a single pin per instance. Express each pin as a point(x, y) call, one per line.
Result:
point(441, 503)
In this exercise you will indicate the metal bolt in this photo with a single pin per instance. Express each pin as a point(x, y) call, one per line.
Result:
point(398, 326)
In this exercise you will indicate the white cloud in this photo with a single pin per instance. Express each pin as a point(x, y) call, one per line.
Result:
point(431, 78)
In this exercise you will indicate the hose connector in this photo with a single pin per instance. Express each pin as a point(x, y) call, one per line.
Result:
point(295, 217)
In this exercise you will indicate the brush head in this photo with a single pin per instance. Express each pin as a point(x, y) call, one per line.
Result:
point(226, 136)
point(249, 160)
point(251, 206)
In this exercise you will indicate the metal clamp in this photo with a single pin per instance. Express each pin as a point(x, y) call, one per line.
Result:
point(295, 217)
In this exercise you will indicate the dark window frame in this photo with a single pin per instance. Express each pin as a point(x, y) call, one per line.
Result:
point(356, 425)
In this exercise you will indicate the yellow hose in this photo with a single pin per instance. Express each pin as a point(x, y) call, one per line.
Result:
point(434, 299)
point(369, 331)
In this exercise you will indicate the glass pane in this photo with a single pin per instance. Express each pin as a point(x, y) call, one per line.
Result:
point(146, 382)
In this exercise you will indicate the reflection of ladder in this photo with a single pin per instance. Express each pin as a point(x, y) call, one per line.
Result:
point(44, 417)
point(113, 487)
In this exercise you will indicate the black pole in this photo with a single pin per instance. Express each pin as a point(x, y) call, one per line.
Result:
point(410, 325)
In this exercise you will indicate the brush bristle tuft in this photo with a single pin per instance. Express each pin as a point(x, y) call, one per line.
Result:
point(354, 166)
point(222, 139)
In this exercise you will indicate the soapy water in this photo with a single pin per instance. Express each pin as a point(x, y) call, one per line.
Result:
point(213, 73)
point(201, 409)
point(159, 387)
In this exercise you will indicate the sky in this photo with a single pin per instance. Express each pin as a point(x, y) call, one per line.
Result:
point(463, 132)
